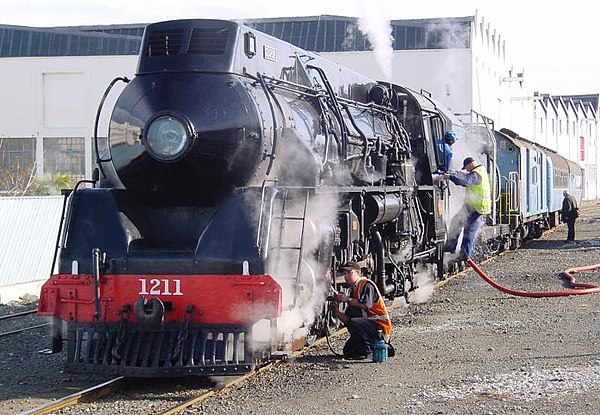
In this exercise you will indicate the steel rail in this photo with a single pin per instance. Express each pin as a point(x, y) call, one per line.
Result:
point(22, 313)
point(8, 333)
point(236, 381)
point(108, 387)
point(94, 392)
point(215, 391)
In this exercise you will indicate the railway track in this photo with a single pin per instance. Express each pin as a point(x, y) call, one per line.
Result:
point(15, 323)
point(94, 392)
point(162, 405)
point(127, 390)
point(129, 393)
point(14, 315)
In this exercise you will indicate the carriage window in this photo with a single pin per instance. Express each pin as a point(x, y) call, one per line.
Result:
point(534, 175)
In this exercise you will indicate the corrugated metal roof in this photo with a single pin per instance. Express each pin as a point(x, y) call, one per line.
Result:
point(28, 231)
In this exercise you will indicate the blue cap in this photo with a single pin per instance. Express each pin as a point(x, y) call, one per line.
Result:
point(450, 137)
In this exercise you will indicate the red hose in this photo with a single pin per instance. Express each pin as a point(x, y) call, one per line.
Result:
point(585, 288)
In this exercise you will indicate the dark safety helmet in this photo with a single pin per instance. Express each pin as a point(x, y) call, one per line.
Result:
point(450, 137)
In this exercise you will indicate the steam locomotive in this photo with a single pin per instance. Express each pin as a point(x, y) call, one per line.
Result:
point(239, 172)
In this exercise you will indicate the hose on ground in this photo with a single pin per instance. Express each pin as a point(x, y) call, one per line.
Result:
point(568, 274)
point(330, 345)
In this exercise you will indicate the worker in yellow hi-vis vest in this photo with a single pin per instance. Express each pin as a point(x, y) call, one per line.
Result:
point(478, 203)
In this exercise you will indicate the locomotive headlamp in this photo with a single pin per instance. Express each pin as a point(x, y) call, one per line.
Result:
point(167, 137)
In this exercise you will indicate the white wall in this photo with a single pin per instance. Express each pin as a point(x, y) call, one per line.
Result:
point(59, 96)
point(480, 78)
point(562, 140)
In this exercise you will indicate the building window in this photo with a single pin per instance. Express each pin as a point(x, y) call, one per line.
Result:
point(330, 35)
point(581, 149)
point(65, 155)
point(541, 124)
point(15, 41)
point(17, 163)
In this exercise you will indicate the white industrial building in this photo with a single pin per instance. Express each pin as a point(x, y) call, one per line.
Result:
point(55, 78)
point(52, 108)
point(52, 80)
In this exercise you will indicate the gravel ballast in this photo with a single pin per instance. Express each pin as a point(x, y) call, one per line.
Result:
point(466, 349)
point(469, 349)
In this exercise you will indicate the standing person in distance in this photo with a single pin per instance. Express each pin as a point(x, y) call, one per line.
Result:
point(365, 315)
point(568, 214)
point(478, 202)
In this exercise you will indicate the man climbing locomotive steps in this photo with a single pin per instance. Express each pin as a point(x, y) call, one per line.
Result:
point(477, 204)
point(366, 317)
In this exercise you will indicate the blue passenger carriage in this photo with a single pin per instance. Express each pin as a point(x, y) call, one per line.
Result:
point(523, 202)
point(532, 179)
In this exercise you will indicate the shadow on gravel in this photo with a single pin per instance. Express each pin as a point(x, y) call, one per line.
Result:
point(324, 358)
point(558, 244)
point(566, 356)
point(329, 359)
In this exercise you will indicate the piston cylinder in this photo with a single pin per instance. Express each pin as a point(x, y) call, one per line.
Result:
point(381, 208)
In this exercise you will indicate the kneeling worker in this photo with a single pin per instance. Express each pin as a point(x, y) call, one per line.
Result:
point(365, 315)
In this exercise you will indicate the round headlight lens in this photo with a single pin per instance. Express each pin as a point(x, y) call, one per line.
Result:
point(167, 137)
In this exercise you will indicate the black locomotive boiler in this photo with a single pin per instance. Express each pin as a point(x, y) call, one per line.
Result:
point(239, 172)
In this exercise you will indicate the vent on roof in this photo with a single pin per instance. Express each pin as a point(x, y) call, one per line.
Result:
point(164, 42)
point(208, 41)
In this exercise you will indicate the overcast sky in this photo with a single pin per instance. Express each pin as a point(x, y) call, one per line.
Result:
point(555, 42)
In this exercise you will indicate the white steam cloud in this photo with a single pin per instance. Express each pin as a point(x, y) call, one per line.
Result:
point(303, 298)
point(425, 283)
point(304, 284)
point(375, 24)
point(447, 35)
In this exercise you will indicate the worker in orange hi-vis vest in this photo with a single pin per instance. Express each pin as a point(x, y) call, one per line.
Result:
point(365, 316)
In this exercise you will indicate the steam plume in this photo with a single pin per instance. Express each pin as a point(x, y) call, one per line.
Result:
point(376, 26)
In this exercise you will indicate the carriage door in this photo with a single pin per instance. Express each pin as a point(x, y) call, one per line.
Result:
point(541, 180)
point(534, 181)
